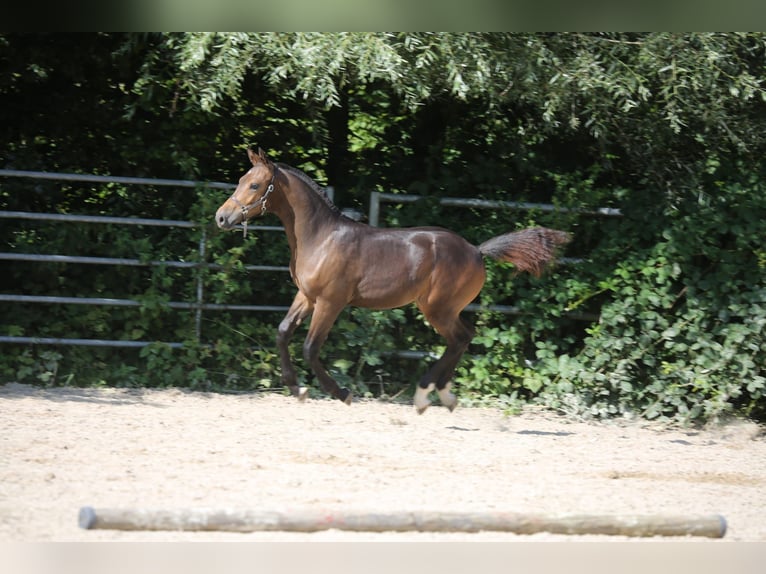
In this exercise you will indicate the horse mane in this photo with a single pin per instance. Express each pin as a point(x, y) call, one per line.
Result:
point(312, 185)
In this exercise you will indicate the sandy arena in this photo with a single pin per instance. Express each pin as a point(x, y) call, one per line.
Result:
point(65, 448)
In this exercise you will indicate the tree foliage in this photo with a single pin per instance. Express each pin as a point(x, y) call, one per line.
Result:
point(669, 128)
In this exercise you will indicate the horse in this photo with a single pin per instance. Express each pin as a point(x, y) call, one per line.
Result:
point(337, 262)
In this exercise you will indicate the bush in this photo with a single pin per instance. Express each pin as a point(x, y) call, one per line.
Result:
point(680, 334)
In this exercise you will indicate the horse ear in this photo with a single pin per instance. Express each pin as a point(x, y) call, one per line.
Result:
point(259, 157)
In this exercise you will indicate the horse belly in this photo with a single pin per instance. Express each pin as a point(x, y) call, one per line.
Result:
point(395, 290)
point(393, 276)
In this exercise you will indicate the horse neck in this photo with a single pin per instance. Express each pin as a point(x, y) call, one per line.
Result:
point(302, 211)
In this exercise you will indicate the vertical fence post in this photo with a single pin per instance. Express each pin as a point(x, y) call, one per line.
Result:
point(374, 208)
point(200, 286)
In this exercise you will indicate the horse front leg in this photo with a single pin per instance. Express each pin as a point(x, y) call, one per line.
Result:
point(325, 314)
point(300, 309)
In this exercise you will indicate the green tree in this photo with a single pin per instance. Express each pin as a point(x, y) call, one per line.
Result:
point(668, 104)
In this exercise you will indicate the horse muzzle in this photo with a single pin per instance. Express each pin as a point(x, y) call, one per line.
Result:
point(227, 218)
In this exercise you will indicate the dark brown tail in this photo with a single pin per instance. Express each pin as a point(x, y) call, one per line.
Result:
point(530, 250)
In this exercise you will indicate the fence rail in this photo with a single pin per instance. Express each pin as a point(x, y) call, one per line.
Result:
point(129, 262)
point(107, 301)
point(199, 305)
point(113, 179)
point(377, 198)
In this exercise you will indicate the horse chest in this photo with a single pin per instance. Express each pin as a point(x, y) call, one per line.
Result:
point(308, 278)
point(323, 274)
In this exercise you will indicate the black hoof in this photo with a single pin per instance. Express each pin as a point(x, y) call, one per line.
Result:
point(345, 396)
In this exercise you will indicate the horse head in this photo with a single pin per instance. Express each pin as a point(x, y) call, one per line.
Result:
point(252, 193)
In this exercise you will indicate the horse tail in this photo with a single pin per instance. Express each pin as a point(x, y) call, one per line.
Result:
point(530, 250)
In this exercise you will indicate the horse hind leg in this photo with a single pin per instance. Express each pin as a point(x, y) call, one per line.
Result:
point(458, 332)
point(444, 384)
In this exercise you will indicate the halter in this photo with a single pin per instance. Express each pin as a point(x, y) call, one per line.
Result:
point(261, 201)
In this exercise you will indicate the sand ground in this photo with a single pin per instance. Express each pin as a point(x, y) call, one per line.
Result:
point(65, 448)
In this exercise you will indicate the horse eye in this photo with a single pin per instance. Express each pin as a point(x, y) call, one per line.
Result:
point(253, 186)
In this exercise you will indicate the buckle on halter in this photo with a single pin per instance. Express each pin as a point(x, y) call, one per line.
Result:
point(265, 198)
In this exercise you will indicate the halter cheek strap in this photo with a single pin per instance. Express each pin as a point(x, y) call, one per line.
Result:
point(260, 202)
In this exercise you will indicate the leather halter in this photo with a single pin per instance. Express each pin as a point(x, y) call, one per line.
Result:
point(260, 202)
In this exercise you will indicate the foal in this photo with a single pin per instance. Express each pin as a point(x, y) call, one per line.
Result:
point(336, 262)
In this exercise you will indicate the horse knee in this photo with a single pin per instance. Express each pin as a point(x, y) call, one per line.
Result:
point(283, 336)
point(285, 332)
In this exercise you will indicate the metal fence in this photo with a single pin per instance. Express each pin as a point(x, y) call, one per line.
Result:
point(199, 305)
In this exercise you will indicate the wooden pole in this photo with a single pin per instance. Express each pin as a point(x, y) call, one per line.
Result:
point(237, 520)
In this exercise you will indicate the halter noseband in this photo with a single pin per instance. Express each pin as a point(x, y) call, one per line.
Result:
point(261, 201)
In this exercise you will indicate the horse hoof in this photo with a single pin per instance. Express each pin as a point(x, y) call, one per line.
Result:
point(303, 393)
point(446, 398)
point(420, 409)
point(450, 404)
point(346, 396)
point(421, 398)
